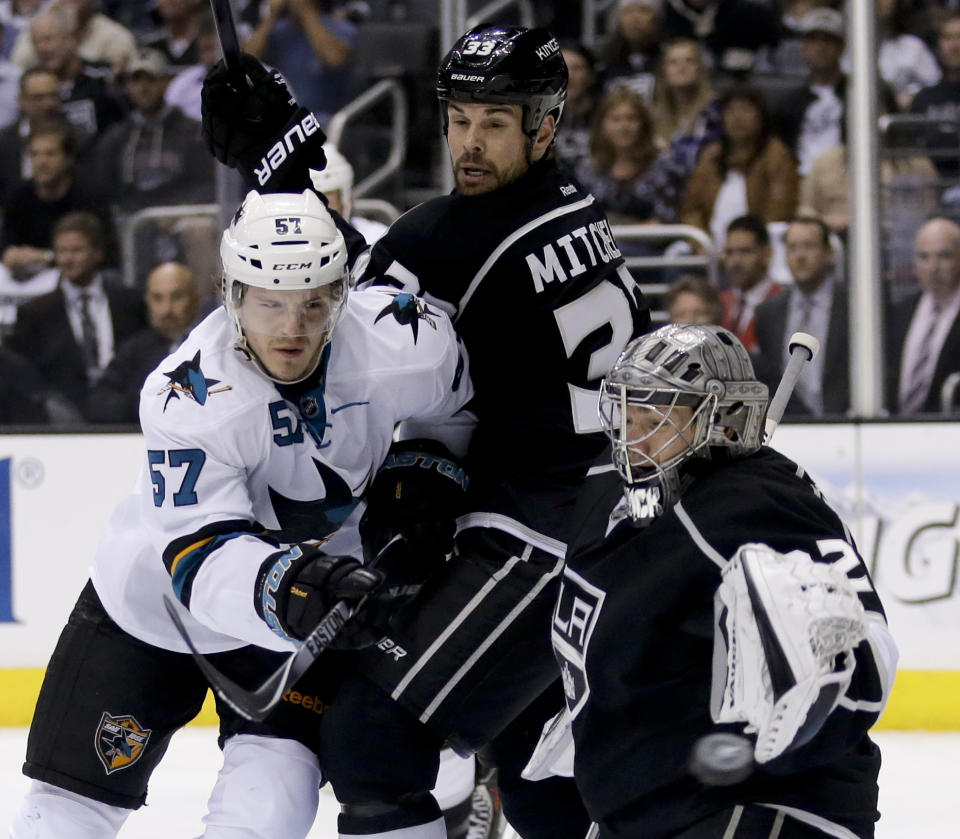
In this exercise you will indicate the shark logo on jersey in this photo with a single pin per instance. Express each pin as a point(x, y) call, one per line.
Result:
point(120, 741)
point(188, 379)
point(302, 520)
point(409, 311)
point(574, 618)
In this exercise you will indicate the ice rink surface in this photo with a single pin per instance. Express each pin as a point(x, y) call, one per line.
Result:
point(918, 783)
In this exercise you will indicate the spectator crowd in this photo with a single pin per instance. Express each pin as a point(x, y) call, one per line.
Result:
point(725, 115)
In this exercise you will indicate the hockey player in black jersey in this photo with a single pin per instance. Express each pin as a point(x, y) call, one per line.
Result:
point(525, 263)
point(710, 588)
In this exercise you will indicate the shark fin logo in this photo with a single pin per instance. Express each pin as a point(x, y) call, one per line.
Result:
point(318, 518)
point(187, 380)
point(120, 741)
point(409, 311)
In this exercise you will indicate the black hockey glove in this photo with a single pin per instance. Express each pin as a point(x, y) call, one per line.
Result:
point(298, 586)
point(257, 127)
point(417, 495)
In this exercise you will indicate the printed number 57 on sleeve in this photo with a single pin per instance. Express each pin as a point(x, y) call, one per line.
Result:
point(190, 461)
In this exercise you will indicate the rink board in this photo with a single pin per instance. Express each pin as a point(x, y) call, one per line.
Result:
point(896, 485)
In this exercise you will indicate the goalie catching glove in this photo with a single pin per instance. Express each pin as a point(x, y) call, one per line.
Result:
point(255, 125)
point(786, 628)
point(298, 586)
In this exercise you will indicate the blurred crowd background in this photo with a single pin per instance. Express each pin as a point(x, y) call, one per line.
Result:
point(713, 132)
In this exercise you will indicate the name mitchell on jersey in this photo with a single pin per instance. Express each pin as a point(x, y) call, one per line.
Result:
point(550, 267)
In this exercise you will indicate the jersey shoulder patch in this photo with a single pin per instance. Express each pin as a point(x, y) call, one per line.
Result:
point(384, 332)
point(205, 376)
point(408, 310)
point(188, 381)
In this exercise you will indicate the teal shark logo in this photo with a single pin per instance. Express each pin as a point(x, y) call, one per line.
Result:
point(409, 311)
point(187, 380)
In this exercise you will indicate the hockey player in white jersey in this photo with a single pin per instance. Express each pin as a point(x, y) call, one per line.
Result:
point(263, 431)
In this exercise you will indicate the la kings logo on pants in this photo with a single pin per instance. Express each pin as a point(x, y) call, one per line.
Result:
point(574, 618)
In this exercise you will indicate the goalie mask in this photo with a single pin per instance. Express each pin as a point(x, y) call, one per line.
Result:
point(681, 392)
point(285, 281)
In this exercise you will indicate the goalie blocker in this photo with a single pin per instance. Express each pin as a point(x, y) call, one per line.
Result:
point(796, 653)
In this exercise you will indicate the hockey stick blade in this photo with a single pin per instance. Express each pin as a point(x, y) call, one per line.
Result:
point(227, 33)
point(257, 704)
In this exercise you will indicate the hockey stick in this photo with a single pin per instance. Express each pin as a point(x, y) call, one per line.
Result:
point(227, 33)
point(803, 348)
point(257, 704)
point(722, 759)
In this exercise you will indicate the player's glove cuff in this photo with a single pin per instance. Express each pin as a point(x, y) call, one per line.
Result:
point(297, 587)
point(417, 494)
point(284, 164)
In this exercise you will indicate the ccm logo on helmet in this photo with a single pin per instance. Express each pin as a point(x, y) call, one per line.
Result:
point(547, 49)
point(292, 266)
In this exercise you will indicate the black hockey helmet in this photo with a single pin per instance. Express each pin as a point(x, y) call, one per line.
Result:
point(509, 65)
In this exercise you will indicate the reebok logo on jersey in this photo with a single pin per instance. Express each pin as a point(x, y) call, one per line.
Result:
point(307, 701)
point(279, 151)
point(120, 741)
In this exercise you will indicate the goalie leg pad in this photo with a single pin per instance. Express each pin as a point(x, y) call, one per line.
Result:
point(786, 627)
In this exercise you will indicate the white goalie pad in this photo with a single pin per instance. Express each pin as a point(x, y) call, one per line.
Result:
point(784, 635)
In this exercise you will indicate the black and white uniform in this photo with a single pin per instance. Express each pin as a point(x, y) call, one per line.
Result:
point(633, 634)
point(539, 294)
point(235, 466)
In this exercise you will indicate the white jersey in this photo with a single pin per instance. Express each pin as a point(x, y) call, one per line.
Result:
point(233, 468)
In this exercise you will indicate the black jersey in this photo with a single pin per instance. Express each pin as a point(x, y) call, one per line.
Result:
point(540, 296)
point(633, 634)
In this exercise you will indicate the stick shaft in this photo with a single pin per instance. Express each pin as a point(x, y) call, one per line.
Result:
point(227, 32)
point(800, 353)
point(257, 704)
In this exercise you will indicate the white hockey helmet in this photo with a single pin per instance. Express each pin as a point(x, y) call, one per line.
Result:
point(701, 367)
point(286, 243)
point(337, 175)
